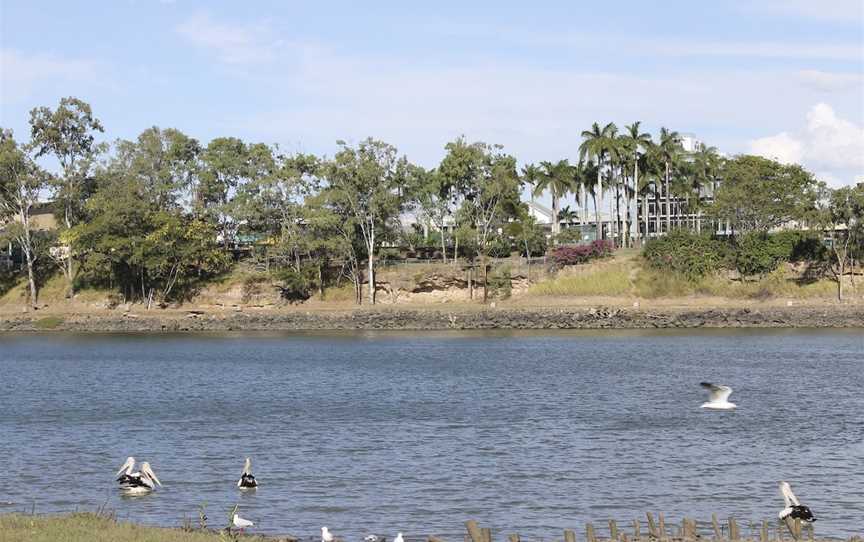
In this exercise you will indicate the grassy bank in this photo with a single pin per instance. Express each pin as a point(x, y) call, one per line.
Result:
point(98, 528)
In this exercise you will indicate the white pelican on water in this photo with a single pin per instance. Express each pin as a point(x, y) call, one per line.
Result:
point(123, 475)
point(241, 523)
point(718, 398)
point(326, 535)
point(793, 508)
point(247, 480)
point(139, 483)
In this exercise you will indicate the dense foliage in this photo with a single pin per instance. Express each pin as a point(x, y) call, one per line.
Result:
point(579, 254)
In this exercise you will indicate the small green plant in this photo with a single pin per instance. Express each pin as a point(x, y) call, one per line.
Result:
point(49, 322)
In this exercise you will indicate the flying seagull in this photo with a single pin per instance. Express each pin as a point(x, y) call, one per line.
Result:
point(247, 480)
point(793, 508)
point(139, 483)
point(241, 523)
point(718, 398)
point(326, 535)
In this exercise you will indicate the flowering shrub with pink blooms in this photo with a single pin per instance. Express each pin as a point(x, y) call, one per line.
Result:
point(576, 254)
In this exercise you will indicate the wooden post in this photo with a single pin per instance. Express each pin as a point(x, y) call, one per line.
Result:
point(763, 535)
point(569, 536)
point(733, 530)
point(797, 525)
point(661, 526)
point(434, 539)
point(474, 531)
point(637, 529)
point(624, 537)
point(716, 524)
point(652, 528)
point(613, 530)
point(589, 533)
point(513, 538)
point(487, 534)
point(812, 533)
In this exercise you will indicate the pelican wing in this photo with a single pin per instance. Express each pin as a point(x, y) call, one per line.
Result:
point(789, 498)
point(147, 472)
point(247, 466)
point(127, 466)
point(717, 393)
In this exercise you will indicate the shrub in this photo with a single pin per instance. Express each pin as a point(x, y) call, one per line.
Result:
point(577, 254)
point(687, 254)
point(761, 253)
point(499, 247)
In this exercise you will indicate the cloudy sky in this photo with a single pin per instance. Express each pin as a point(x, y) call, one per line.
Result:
point(782, 78)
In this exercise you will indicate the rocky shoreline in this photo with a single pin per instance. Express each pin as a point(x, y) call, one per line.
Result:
point(427, 319)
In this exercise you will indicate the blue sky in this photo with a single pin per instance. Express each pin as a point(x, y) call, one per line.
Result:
point(783, 78)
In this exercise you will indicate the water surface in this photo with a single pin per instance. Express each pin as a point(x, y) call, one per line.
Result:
point(524, 432)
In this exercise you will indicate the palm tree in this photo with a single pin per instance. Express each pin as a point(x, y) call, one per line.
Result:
point(670, 152)
point(707, 164)
point(634, 141)
point(596, 144)
point(566, 214)
point(558, 178)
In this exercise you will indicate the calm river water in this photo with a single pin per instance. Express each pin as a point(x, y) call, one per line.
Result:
point(528, 433)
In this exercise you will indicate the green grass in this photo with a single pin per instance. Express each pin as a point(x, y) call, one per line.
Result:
point(49, 322)
point(606, 280)
point(96, 528)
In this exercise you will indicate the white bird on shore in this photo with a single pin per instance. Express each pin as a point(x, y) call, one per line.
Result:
point(138, 483)
point(247, 480)
point(326, 535)
point(794, 509)
point(718, 398)
point(399, 538)
point(123, 475)
point(241, 523)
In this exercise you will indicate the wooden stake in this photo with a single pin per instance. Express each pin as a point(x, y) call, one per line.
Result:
point(487, 534)
point(569, 536)
point(474, 531)
point(716, 524)
point(652, 528)
point(613, 530)
point(763, 535)
point(513, 538)
point(589, 533)
point(637, 529)
point(733, 530)
point(661, 526)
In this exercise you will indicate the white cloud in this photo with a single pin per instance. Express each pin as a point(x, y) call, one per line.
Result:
point(824, 81)
point(828, 144)
point(23, 73)
point(781, 147)
point(233, 44)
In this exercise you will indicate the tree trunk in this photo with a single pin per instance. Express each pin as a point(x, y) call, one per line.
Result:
point(31, 278)
point(321, 281)
point(485, 279)
point(443, 245)
point(598, 202)
point(644, 218)
point(668, 202)
point(597, 226)
point(658, 188)
point(636, 192)
point(556, 226)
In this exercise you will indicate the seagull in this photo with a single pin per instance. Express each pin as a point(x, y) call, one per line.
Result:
point(247, 480)
point(241, 523)
point(399, 538)
point(372, 538)
point(326, 535)
point(123, 475)
point(794, 509)
point(719, 397)
point(139, 483)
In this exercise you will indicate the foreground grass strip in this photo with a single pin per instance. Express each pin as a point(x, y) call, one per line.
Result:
point(97, 528)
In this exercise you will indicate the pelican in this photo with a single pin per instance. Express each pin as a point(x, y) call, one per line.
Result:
point(241, 523)
point(142, 482)
point(247, 480)
point(793, 508)
point(399, 538)
point(123, 475)
point(718, 398)
point(326, 535)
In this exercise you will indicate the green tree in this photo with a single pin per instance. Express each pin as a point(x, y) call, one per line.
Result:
point(363, 184)
point(632, 141)
point(68, 134)
point(841, 214)
point(597, 143)
point(21, 182)
point(669, 151)
point(758, 194)
point(558, 178)
point(488, 184)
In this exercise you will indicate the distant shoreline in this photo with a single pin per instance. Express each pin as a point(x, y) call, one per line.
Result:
point(417, 319)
